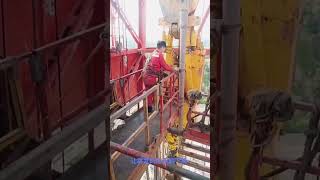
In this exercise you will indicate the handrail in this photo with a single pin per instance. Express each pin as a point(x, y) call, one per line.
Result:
point(125, 76)
point(9, 61)
point(145, 125)
point(131, 104)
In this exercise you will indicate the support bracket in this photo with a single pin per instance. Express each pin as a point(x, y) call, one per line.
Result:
point(221, 27)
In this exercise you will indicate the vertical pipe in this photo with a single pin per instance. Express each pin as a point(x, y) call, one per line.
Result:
point(215, 77)
point(59, 79)
point(155, 171)
point(229, 87)
point(147, 129)
point(183, 35)
point(157, 96)
point(147, 173)
point(2, 32)
point(113, 175)
point(161, 113)
point(107, 78)
point(142, 23)
point(204, 19)
point(171, 86)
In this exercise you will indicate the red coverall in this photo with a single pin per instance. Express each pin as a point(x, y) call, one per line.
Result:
point(156, 64)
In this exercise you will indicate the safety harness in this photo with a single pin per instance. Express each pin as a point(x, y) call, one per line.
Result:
point(148, 69)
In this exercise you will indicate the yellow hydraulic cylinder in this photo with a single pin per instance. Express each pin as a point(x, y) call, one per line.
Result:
point(194, 64)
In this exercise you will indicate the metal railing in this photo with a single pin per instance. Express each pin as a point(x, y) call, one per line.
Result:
point(161, 105)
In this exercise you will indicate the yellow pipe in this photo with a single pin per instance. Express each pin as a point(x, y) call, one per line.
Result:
point(194, 64)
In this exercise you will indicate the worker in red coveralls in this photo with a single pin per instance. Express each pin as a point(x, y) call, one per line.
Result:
point(154, 70)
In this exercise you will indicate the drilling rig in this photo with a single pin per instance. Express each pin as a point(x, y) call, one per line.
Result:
point(190, 59)
point(262, 94)
point(48, 101)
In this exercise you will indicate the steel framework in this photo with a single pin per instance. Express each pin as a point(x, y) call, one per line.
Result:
point(125, 80)
point(171, 92)
point(55, 37)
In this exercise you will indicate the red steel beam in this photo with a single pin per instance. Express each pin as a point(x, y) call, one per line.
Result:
point(142, 23)
point(172, 168)
point(112, 33)
point(64, 120)
point(161, 113)
point(173, 97)
point(197, 136)
point(114, 52)
point(15, 59)
point(126, 76)
point(69, 52)
point(116, 6)
point(125, 52)
point(204, 19)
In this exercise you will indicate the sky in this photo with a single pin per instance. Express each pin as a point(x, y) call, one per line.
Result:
point(153, 12)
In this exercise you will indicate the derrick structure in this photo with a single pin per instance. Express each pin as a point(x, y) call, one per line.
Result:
point(176, 95)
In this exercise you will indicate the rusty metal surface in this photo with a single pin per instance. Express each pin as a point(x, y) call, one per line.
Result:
point(44, 31)
point(65, 100)
point(126, 88)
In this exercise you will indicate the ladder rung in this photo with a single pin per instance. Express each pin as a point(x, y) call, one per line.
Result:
point(194, 155)
point(198, 166)
point(195, 147)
